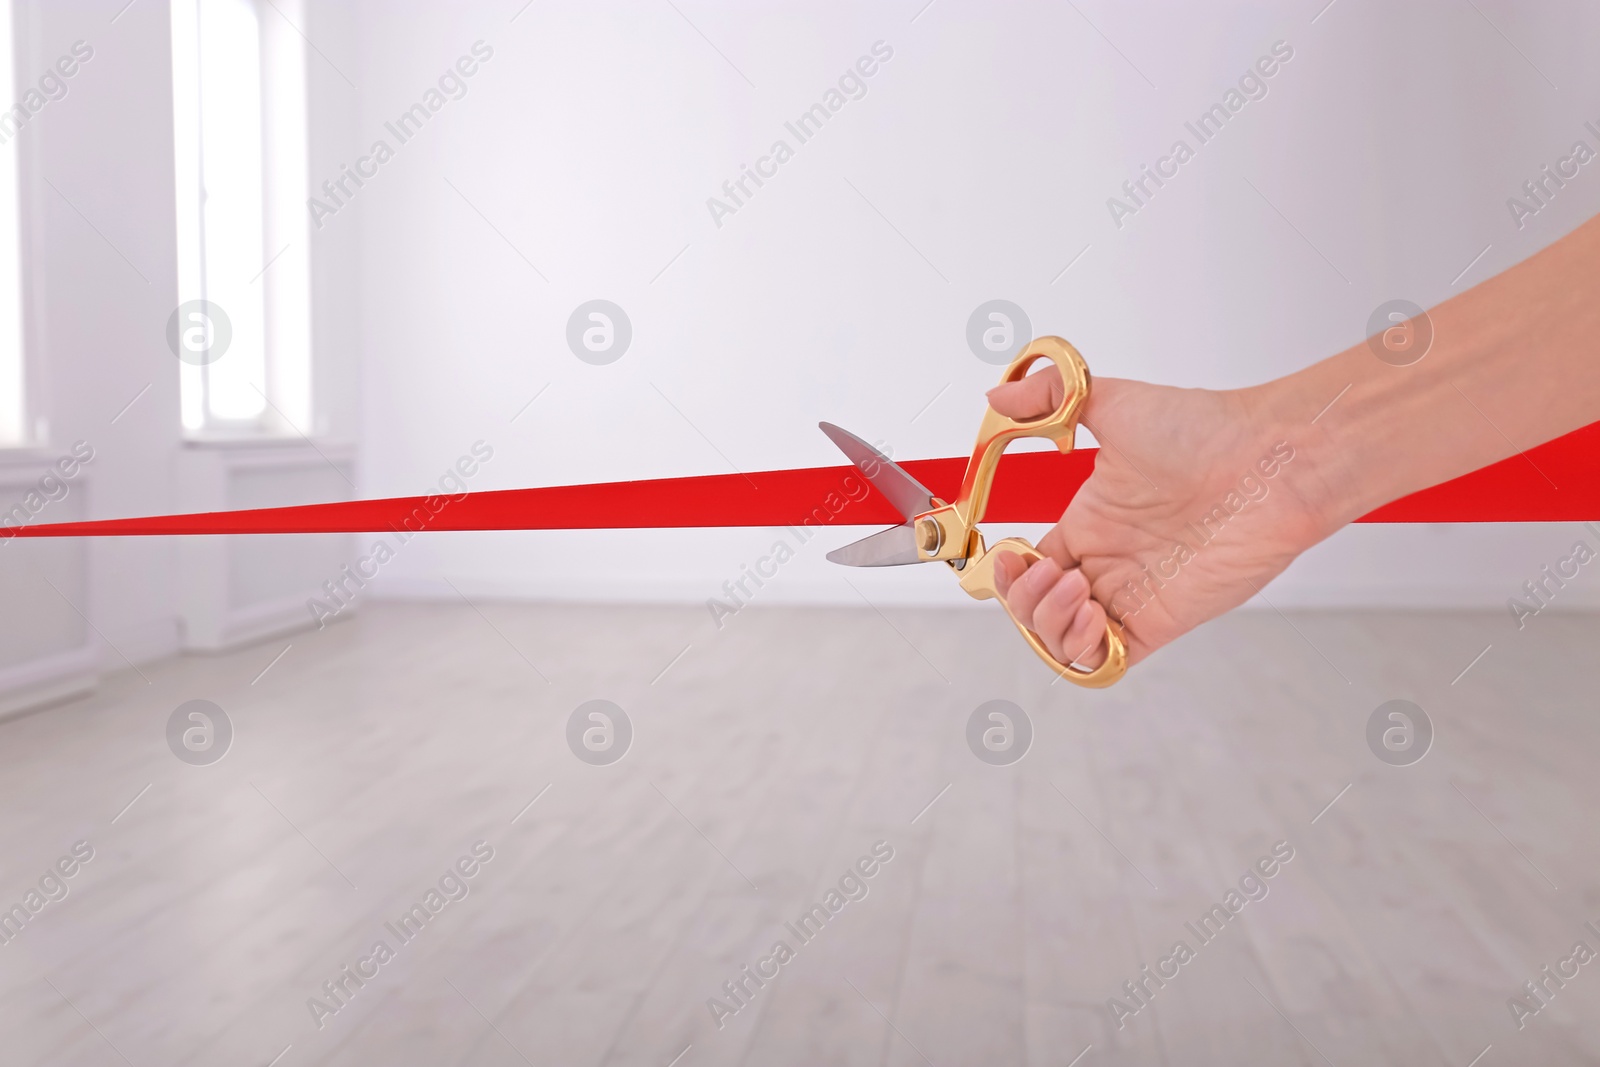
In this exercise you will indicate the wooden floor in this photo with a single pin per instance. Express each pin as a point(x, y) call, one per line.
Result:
point(766, 759)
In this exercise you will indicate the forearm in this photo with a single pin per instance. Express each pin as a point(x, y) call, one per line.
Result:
point(1515, 362)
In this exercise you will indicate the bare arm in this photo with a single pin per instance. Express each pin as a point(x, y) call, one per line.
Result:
point(1180, 521)
point(1515, 362)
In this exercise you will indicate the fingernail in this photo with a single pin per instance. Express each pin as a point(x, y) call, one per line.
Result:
point(1040, 576)
point(1002, 573)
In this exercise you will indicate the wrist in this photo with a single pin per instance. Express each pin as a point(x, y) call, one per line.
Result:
point(1298, 410)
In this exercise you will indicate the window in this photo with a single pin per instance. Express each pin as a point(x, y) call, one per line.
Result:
point(13, 383)
point(243, 324)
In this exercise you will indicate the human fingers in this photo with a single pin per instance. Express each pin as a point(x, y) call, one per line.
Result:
point(1084, 641)
point(1008, 567)
point(1054, 545)
point(1025, 593)
point(1032, 397)
point(1064, 616)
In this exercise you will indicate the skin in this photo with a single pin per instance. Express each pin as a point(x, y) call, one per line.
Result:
point(1515, 362)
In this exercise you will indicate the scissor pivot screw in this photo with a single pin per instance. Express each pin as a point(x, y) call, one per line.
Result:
point(930, 535)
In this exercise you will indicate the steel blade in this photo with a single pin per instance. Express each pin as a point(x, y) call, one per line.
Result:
point(908, 496)
point(894, 547)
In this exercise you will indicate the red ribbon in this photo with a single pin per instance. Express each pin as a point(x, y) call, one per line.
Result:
point(1556, 481)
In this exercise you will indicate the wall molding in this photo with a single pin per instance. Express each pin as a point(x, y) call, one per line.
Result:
point(46, 680)
point(213, 477)
point(72, 666)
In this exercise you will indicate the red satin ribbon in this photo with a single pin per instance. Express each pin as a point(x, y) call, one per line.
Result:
point(1557, 481)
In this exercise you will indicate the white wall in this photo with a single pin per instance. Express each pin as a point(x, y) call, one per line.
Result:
point(587, 147)
point(589, 144)
point(101, 283)
point(98, 224)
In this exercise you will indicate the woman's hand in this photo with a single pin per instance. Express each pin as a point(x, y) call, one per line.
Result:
point(1180, 521)
point(1199, 498)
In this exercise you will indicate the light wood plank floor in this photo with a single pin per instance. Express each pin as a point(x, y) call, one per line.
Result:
point(766, 759)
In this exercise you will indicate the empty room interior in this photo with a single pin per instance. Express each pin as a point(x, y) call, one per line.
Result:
point(495, 568)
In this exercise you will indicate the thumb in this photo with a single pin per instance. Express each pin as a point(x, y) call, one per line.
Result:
point(1031, 398)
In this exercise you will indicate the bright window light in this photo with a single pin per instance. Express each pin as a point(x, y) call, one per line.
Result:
point(243, 321)
point(13, 413)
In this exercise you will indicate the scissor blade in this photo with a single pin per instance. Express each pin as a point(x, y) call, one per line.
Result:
point(909, 496)
point(894, 547)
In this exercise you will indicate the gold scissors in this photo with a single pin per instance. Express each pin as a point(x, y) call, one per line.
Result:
point(935, 531)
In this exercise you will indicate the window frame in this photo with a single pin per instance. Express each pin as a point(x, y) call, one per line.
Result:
point(32, 431)
point(286, 380)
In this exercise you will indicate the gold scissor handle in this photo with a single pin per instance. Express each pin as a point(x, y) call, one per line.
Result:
point(978, 579)
point(950, 532)
point(996, 431)
point(946, 532)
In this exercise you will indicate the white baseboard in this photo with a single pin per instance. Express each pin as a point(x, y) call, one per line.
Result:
point(145, 642)
point(243, 626)
point(27, 686)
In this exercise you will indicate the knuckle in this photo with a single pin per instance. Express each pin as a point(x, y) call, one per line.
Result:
point(1052, 619)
